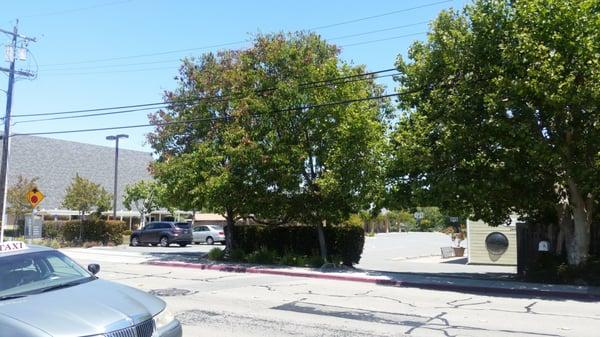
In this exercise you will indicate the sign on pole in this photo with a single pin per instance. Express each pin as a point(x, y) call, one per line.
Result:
point(453, 219)
point(418, 215)
point(35, 197)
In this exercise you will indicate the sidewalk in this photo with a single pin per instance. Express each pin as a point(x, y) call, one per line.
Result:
point(413, 280)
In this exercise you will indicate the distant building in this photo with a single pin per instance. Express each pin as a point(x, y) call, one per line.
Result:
point(56, 162)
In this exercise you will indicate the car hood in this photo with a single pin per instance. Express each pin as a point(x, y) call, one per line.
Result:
point(91, 308)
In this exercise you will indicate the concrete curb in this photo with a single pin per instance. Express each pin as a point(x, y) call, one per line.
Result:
point(444, 283)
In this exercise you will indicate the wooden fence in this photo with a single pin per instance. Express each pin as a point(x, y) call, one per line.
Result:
point(529, 235)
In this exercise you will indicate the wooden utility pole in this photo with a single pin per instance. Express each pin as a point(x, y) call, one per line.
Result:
point(11, 54)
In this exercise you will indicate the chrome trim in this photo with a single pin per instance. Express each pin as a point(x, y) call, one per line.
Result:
point(144, 329)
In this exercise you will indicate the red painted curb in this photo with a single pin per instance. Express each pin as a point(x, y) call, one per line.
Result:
point(385, 281)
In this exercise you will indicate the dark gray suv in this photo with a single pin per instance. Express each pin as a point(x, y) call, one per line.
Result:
point(163, 233)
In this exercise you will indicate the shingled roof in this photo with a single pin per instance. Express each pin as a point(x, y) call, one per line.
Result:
point(56, 162)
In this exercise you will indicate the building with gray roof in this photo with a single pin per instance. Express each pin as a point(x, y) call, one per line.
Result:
point(56, 162)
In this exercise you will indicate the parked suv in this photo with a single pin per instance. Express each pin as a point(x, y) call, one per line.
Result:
point(209, 234)
point(163, 233)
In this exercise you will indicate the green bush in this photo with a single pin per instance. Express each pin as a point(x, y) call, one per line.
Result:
point(237, 254)
point(315, 261)
point(262, 256)
point(216, 254)
point(94, 230)
point(549, 268)
point(52, 229)
point(344, 241)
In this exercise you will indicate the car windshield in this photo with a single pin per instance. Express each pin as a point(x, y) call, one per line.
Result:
point(25, 274)
point(183, 225)
point(216, 228)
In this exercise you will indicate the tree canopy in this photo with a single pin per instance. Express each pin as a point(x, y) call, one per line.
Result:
point(16, 196)
point(144, 196)
point(267, 143)
point(86, 196)
point(501, 115)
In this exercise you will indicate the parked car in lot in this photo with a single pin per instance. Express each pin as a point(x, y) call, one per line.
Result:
point(43, 293)
point(163, 233)
point(208, 234)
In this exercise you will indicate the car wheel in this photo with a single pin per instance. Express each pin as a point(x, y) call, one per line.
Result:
point(210, 241)
point(134, 241)
point(164, 241)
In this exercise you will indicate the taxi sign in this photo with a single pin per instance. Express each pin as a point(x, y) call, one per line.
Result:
point(35, 197)
point(11, 246)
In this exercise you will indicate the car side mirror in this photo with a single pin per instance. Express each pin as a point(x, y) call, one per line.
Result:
point(94, 268)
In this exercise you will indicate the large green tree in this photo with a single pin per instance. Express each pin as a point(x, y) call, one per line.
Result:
point(144, 196)
point(86, 196)
point(273, 149)
point(501, 115)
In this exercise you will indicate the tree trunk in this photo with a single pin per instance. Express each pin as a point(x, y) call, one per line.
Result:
point(322, 242)
point(229, 232)
point(575, 223)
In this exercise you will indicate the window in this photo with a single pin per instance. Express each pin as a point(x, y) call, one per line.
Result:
point(183, 225)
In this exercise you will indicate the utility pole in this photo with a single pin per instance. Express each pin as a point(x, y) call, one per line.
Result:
point(11, 54)
point(116, 139)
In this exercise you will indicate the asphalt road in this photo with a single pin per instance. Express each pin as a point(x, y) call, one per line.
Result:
point(220, 304)
point(417, 252)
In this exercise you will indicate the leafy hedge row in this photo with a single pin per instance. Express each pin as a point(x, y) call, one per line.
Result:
point(99, 230)
point(344, 242)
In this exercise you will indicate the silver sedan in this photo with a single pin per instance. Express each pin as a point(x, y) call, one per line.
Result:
point(208, 234)
point(43, 293)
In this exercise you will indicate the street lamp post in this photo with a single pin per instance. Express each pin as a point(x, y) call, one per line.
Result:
point(116, 139)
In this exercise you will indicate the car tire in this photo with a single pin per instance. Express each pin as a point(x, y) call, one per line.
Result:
point(134, 242)
point(210, 241)
point(164, 241)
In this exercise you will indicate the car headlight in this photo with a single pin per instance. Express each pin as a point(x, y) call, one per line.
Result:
point(163, 318)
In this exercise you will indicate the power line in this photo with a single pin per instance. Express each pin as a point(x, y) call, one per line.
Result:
point(178, 60)
point(167, 68)
point(219, 99)
point(379, 30)
point(149, 54)
point(380, 15)
point(314, 106)
point(159, 104)
point(385, 39)
point(244, 41)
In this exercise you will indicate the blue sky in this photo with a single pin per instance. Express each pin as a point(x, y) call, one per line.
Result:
point(94, 54)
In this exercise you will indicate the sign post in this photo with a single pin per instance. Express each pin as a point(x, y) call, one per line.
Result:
point(418, 216)
point(33, 229)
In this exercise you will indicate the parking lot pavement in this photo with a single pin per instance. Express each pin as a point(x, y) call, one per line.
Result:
point(418, 252)
point(134, 255)
point(212, 303)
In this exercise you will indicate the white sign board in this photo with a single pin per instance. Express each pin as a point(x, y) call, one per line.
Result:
point(11, 246)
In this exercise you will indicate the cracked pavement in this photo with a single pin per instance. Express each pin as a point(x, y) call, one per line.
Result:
point(221, 304)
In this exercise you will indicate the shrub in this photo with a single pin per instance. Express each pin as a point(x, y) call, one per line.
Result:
point(94, 230)
point(315, 261)
point(549, 268)
point(262, 256)
point(52, 229)
point(345, 241)
point(237, 255)
point(216, 254)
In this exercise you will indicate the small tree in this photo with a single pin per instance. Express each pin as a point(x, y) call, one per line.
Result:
point(143, 196)
point(86, 196)
point(18, 205)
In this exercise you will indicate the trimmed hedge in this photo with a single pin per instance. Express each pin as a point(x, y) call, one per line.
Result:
point(104, 231)
point(344, 242)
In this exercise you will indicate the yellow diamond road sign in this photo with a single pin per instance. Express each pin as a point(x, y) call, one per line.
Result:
point(35, 197)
